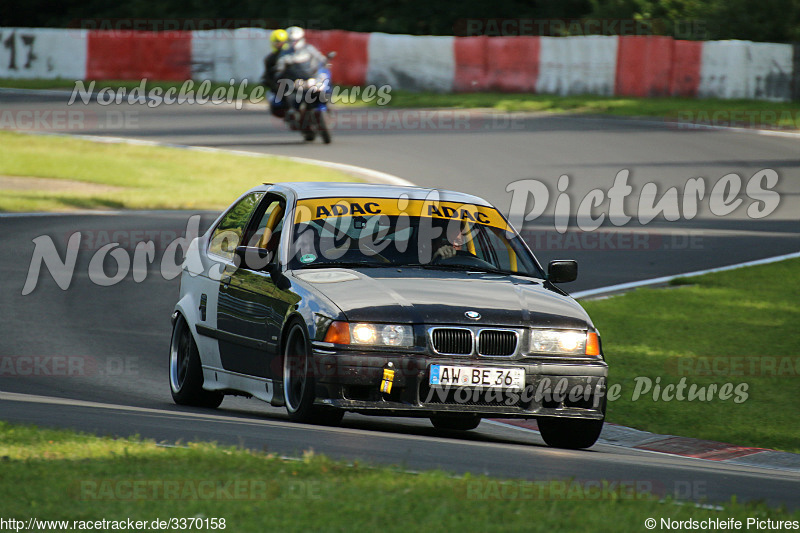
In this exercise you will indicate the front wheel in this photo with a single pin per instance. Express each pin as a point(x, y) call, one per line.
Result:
point(298, 382)
point(186, 372)
point(570, 433)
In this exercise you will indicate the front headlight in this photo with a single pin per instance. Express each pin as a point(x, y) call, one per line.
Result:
point(564, 342)
point(366, 334)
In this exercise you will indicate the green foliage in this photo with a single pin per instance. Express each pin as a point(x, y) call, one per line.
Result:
point(765, 20)
point(392, 16)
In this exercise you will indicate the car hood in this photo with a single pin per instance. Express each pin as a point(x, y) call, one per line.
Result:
point(443, 297)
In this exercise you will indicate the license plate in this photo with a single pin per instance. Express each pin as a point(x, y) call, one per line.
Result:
point(473, 376)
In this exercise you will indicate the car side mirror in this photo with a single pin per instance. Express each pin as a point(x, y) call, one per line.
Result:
point(254, 258)
point(562, 271)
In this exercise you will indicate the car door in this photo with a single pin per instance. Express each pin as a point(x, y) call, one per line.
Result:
point(224, 238)
point(251, 306)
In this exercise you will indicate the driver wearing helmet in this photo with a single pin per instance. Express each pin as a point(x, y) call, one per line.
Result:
point(278, 45)
point(301, 60)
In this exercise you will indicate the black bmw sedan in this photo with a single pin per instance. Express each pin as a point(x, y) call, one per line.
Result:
point(401, 301)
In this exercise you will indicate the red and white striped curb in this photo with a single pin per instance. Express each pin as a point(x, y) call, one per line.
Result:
point(626, 437)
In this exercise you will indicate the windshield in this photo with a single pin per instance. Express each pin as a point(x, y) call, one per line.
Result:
point(378, 232)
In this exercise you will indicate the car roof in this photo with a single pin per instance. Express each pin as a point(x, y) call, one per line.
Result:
point(333, 189)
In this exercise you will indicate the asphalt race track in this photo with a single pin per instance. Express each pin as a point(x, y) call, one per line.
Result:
point(118, 336)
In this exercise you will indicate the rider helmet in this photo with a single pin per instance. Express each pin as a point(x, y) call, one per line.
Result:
point(297, 37)
point(278, 39)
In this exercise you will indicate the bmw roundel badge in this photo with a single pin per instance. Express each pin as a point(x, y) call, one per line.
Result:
point(474, 315)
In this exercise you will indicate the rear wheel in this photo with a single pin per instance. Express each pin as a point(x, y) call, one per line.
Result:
point(186, 372)
point(298, 382)
point(462, 423)
point(570, 433)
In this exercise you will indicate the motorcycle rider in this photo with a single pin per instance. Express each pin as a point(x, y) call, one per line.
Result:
point(279, 42)
point(301, 60)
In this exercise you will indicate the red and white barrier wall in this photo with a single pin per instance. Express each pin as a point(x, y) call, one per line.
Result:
point(113, 55)
point(409, 62)
point(743, 69)
point(220, 55)
point(43, 53)
point(605, 65)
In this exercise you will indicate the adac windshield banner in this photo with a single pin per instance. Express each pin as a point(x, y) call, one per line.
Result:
point(321, 208)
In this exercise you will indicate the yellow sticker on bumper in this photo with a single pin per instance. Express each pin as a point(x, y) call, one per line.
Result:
point(386, 383)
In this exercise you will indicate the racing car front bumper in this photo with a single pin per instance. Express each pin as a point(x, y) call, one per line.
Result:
point(554, 387)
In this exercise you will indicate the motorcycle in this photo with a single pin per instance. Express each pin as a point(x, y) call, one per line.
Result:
point(308, 99)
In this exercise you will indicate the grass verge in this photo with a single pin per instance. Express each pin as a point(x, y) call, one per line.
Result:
point(735, 327)
point(64, 475)
point(135, 177)
point(709, 111)
point(706, 111)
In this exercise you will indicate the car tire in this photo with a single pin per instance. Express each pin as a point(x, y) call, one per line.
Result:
point(570, 433)
point(461, 423)
point(186, 372)
point(298, 382)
